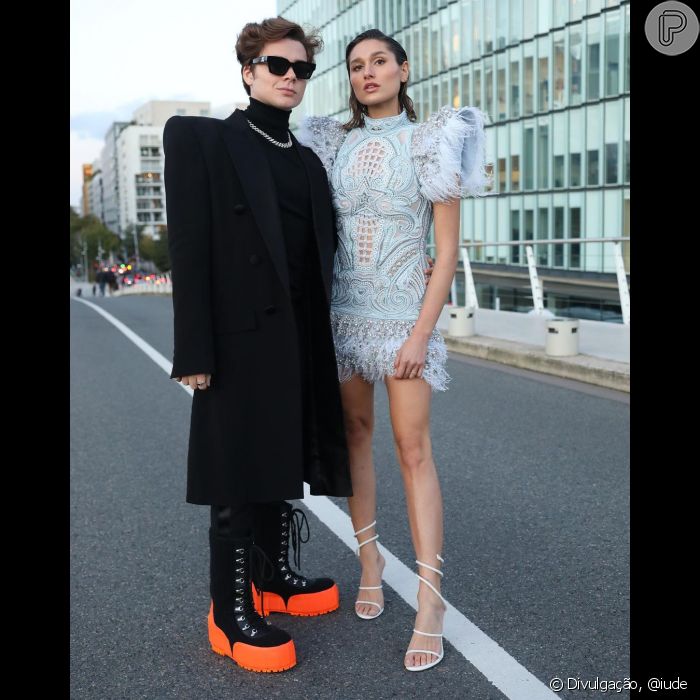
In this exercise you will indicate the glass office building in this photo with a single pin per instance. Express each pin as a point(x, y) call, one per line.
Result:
point(553, 77)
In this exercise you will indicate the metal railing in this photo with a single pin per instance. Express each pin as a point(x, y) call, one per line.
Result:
point(535, 284)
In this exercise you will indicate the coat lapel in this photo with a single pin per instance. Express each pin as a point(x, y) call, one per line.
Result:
point(322, 213)
point(256, 179)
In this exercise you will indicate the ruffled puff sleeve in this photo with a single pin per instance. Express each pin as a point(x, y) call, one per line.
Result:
point(449, 154)
point(323, 135)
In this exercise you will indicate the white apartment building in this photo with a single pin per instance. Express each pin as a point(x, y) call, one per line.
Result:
point(95, 191)
point(140, 163)
point(141, 191)
point(157, 112)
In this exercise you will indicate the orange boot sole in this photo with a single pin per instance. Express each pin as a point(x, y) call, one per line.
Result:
point(252, 658)
point(304, 604)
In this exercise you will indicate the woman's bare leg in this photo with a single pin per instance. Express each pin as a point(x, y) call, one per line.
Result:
point(409, 407)
point(358, 414)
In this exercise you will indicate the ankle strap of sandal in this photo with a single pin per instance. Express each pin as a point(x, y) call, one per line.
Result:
point(425, 580)
point(368, 540)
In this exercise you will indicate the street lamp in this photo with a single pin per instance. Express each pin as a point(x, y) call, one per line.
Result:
point(85, 264)
point(136, 247)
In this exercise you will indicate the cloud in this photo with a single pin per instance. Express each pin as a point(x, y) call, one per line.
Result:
point(96, 124)
point(83, 149)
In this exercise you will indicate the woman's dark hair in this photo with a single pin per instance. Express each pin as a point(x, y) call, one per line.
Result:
point(357, 108)
point(255, 35)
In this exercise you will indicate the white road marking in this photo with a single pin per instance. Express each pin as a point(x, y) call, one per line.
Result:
point(499, 667)
point(137, 340)
point(492, 660)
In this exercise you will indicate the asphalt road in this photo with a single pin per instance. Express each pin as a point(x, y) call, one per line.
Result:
point(535, 478)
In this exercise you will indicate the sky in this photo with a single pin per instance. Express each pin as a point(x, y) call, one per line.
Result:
point(124, 53)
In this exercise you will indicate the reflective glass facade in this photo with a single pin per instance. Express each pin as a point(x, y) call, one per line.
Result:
point(553, 77)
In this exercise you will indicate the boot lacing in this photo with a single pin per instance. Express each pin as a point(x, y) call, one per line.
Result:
point(258, 564)
point(295, 524)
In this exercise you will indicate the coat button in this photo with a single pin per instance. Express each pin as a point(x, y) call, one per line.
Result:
point(238, 208)
point(254, 259)
point(270, 310)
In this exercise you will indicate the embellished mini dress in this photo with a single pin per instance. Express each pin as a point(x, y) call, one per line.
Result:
point(385, 177)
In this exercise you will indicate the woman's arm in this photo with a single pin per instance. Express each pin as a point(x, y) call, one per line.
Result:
point(410, 360)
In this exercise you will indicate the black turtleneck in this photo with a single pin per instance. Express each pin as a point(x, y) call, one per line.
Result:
point(293, 193)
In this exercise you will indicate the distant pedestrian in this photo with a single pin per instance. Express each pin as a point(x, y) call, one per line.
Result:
point(101, 278)
point(112, 281)
point(94, 290)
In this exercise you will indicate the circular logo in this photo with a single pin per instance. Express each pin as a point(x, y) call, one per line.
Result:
point(672, 28)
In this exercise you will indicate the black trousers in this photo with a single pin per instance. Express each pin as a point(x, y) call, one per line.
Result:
point(237, 521)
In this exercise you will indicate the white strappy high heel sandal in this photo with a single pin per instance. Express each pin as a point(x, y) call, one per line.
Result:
point(441, 653)
point(368, 588)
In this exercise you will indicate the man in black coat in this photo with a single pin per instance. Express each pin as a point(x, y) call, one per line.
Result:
point(252, 238)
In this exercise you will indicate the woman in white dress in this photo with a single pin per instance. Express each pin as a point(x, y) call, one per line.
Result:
point(390, 179)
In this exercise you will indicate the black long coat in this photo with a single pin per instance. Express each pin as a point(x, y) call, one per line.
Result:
point(234, 319)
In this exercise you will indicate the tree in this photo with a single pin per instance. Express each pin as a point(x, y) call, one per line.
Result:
point(89, 230)
point(161, 255)
point(128, 241)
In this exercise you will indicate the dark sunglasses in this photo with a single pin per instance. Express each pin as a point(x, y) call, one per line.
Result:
point(279, 66)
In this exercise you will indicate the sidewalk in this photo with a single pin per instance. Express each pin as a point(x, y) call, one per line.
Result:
point(518, 340)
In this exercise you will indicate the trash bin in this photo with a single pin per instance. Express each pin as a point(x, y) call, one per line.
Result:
point(562, 337)
point(461, 321)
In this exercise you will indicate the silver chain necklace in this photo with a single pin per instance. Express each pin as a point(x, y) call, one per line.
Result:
point(269, 138)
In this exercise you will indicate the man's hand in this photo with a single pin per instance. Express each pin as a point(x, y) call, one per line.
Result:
point(428, 270)
point(195, 381)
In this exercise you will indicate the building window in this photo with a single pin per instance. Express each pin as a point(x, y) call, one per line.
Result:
point(592, 167)
point(612, 53)
point(514, 89)
point(515, 173)
point(529, 224)
point(528, 80)
point(559, 234)
point(203, 112)
point(466, 98)
point(516, 21)
point(593, 56)
point(561, 12)
point(543, 85)
point(558, 171)
point(559, 95)
point(501, 78)
point(488, 25)
point(575, 160)
point(541, 252)
point(575, 232)
point(181, 112)
point(476, 27)
point(578, 7)
point(477, 88)
point(530, 12)
point(575, 67)
point(627, 161)
point(515, 236)
point(610, 163)
point(488, 84)
point(501, 174)
point(627, 48)
point(501, 24)
point(543, 157)
point(528, 158)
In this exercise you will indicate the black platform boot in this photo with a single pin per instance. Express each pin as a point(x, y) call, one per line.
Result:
point(274, 525)
point(236, 630)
